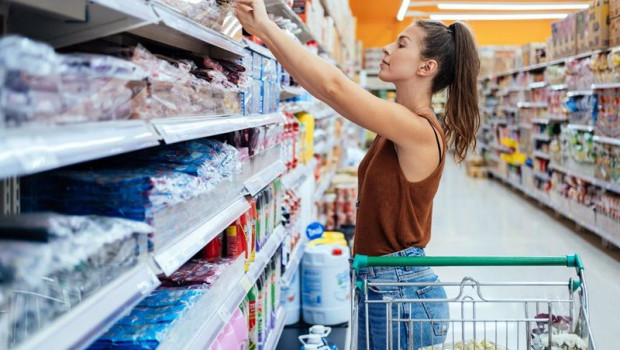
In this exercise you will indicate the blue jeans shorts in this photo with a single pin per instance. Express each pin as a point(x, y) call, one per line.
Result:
point(405, 335)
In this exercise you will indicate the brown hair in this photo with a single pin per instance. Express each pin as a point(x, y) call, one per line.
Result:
point(454, 49)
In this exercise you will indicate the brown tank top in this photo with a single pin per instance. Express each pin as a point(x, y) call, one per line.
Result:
point(393, 213)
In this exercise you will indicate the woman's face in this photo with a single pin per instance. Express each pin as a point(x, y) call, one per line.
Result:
point(402, 59)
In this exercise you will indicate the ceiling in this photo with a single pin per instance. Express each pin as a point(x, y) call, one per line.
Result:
point(377, 23)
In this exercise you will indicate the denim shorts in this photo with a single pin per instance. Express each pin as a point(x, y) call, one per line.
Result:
point(405, 335)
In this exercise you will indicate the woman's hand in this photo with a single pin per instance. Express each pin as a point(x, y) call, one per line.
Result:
point(253, 16)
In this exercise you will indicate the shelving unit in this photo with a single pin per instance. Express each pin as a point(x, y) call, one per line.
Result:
point(32, 149)
point(171, 257)
point(84, 323)
point(554, 121)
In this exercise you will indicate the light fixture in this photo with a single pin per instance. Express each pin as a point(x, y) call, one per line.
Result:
point(403, 9)
point(495, 17)
point(512, 6)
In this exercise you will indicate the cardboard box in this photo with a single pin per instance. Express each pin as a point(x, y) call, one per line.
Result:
point(533, 53)
point(614, 32)
point(555, 39)
point(583, 20)
point(550, 49)
point(614, 8)
point(599, 25)
point(570, 34)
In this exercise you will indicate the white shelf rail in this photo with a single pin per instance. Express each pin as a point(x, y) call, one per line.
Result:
point(172, 256)
point(79, 327)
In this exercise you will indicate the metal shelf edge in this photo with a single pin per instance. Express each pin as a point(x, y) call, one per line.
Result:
point(264, 178)
point(83, 324)
point(178, 252)
point(179, 129)
point(276, 332)
point(293, 264)
point(237, 292)
point(38, 148)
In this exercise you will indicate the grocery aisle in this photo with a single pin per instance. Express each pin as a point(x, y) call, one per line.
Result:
point(485, 217)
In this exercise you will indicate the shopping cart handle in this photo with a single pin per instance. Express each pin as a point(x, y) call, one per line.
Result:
point(362, 261)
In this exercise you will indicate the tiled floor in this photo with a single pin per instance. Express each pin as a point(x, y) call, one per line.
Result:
point(485, 217)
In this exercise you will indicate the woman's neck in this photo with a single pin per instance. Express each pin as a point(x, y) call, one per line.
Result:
point(415, 99)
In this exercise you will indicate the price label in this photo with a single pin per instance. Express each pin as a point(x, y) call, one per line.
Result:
point(246, 284)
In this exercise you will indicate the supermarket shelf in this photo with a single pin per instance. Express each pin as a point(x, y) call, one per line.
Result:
point(64, 23)
point(586, 128)
point(540, 121)
point(293, 263)
point(258, 48)
point(579, 93)
point(323, 186)
point(93, 316)
point(175, 254)
point(482, 145)
point(607, 140)
point(537, 85)
point(31, 149)
point(600, 183)
point(558, 87)
point(541, 137)
point(542, 198)
point(495, 158)
point(485, 127)
point(297, 107)
point(499, 121)
point(605, 86)
point(501, 148)
point(279, 7)
point(176, 30)
point(541, 175)
point(509, 109)
point(294, 178)
point(237, 290)
point(180, 129)
point(291, 91)
point(525, 126)
point(532, 104)
point(276, 333)
point(259, 181)
point(541, 154)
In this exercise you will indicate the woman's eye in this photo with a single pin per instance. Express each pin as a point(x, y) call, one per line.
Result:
point(401, 46)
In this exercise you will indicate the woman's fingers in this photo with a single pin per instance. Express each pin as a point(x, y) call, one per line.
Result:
point(246, 2)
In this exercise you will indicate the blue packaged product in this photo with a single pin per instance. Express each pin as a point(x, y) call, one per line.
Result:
point(171, 297)
point(257, 66)
point(133, 337)
point(266, 97)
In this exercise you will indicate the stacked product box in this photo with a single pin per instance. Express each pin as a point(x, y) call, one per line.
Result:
point(614, 23)
point(263, 93)
point(584, 31)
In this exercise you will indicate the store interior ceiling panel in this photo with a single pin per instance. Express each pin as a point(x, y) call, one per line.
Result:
point(378, 23)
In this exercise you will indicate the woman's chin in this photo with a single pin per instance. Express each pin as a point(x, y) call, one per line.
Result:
point(383, 76)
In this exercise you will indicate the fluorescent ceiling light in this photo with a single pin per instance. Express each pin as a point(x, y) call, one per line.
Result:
point(403, 9)
point(495, 17)
point(513, 6)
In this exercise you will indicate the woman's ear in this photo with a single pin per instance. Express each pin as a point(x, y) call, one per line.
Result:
point(427, 68)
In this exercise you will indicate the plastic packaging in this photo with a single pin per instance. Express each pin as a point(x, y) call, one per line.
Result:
point(80, 255)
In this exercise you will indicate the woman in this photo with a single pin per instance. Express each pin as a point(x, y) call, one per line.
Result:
point(400, 174)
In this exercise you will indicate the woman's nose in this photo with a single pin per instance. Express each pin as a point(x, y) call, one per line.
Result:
point(386, 50)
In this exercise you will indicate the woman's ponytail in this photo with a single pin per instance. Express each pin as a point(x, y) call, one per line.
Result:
point(462, 115)
point(455, 50)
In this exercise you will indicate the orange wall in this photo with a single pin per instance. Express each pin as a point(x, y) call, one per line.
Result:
point(379, 33)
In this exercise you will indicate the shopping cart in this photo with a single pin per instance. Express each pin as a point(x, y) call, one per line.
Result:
point(479, 321)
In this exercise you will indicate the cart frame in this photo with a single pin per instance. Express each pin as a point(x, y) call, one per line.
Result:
point(540, 331)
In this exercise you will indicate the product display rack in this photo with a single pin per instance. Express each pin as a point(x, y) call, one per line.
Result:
point(82, 325)
point(502, 121)
point(33, 149)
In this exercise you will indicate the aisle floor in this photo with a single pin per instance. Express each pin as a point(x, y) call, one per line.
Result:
point(486, 217)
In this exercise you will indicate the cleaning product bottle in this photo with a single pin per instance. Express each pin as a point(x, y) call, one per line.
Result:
point(259, 220)
point(253, 317)
point(260, 311)
point(252, 224)
point(274, 294)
